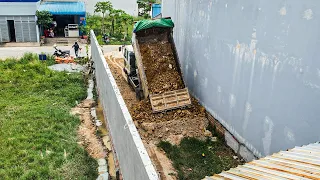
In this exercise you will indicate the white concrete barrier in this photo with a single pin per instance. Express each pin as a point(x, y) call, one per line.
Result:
point(134, 161)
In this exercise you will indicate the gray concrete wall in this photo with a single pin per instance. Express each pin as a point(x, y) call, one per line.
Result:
point(134, 161)
point(254, 66)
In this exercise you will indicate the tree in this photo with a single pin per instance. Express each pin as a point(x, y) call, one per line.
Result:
point(127, 21)
point(103, 7)
point(114, 15)
point(44, 19)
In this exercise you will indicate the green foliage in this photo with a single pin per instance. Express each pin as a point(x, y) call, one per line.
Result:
point(36, 126)
point(103, 7)
point(44, 19)
point(195, 159)
point(116, 23)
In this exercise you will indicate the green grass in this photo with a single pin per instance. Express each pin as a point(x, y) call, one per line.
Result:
point(36, 126)
point(189, 162)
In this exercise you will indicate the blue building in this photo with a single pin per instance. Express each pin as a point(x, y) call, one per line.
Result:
point(156, 10)
point(68, 15)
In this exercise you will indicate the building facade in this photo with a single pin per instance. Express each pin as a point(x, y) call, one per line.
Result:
point(18, 21)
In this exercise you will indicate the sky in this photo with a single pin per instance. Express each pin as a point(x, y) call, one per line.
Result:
point(130, 6)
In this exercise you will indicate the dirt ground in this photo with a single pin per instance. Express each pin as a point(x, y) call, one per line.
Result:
point(87, 130)
point(160, 67)
point(170, 126)
point(153, 127)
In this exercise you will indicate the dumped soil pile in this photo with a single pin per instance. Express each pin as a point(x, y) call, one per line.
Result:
point(189, 122)
point(142, 112)
point(160, 67)
point(169, 130)
point(87, 130)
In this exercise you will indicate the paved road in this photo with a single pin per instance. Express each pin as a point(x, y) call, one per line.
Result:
point(7, 52)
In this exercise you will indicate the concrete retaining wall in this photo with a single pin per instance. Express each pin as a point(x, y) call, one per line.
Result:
point(254, 66)
point(134, 161)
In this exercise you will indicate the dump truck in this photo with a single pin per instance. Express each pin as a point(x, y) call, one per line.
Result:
point(152, 68)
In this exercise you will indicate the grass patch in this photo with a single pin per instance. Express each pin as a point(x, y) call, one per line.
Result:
point(190, 163)
point(38, 135)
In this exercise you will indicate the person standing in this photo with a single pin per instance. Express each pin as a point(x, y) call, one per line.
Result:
point(76, 48)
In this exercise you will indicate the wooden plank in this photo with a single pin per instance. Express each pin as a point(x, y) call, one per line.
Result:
point(170, 100)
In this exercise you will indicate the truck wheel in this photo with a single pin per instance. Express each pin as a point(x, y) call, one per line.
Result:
point(138, 94)
point(128, 80)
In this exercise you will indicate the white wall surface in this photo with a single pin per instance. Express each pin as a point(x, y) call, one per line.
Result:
point(17, 8)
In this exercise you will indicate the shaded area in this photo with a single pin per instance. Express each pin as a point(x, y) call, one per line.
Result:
point(195, 159)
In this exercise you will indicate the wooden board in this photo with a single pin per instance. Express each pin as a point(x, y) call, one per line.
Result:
point(170, 100)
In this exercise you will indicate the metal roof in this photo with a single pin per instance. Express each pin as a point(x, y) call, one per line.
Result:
point(63, 8)
point(297, 163)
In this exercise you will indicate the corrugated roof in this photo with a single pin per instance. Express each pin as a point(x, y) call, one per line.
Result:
point(297, 163)
point(63, 8)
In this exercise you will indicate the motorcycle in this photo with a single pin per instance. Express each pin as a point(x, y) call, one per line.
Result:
point(60, 53)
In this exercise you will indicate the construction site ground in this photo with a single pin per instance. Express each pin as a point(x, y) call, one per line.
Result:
point(162, 134)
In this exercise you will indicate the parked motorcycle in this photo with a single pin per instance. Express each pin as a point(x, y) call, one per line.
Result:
point(60, 53)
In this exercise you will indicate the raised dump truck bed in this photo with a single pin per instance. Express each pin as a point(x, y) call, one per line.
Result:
point(159, 69)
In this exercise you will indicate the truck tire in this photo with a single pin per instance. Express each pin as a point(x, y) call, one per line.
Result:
point(139, 94)
point(128, 80)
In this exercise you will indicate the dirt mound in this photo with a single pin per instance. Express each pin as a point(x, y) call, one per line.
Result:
point(142, 112)
point(187, 127)
point(160, 67)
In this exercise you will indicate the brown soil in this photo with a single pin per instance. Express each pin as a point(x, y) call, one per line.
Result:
point(87, 130)
point(153, 127)
point(142, 112)
point(170, 126)
point(160, 66)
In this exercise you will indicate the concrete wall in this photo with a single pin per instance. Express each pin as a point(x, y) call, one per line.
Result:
point(254, 66)
point(134, 161)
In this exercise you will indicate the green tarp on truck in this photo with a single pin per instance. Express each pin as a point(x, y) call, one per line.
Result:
point(146, 24)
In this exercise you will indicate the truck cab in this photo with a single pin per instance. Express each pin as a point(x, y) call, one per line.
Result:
point(130, 72)
point(129, 60)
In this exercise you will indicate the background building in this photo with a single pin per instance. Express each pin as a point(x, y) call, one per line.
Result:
point(18, 21)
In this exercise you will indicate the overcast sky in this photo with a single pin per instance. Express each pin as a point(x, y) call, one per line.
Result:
point(130, 6)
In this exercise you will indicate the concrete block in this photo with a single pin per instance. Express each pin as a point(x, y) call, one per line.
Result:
point(246, 154)
point(103, 169)
point(102, 162)
point(104, 176)
point(231, 142)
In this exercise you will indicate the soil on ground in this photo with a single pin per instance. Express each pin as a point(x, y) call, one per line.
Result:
point(171, 126)
point(87, 130)
point(191, 122)
point(160, 66)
